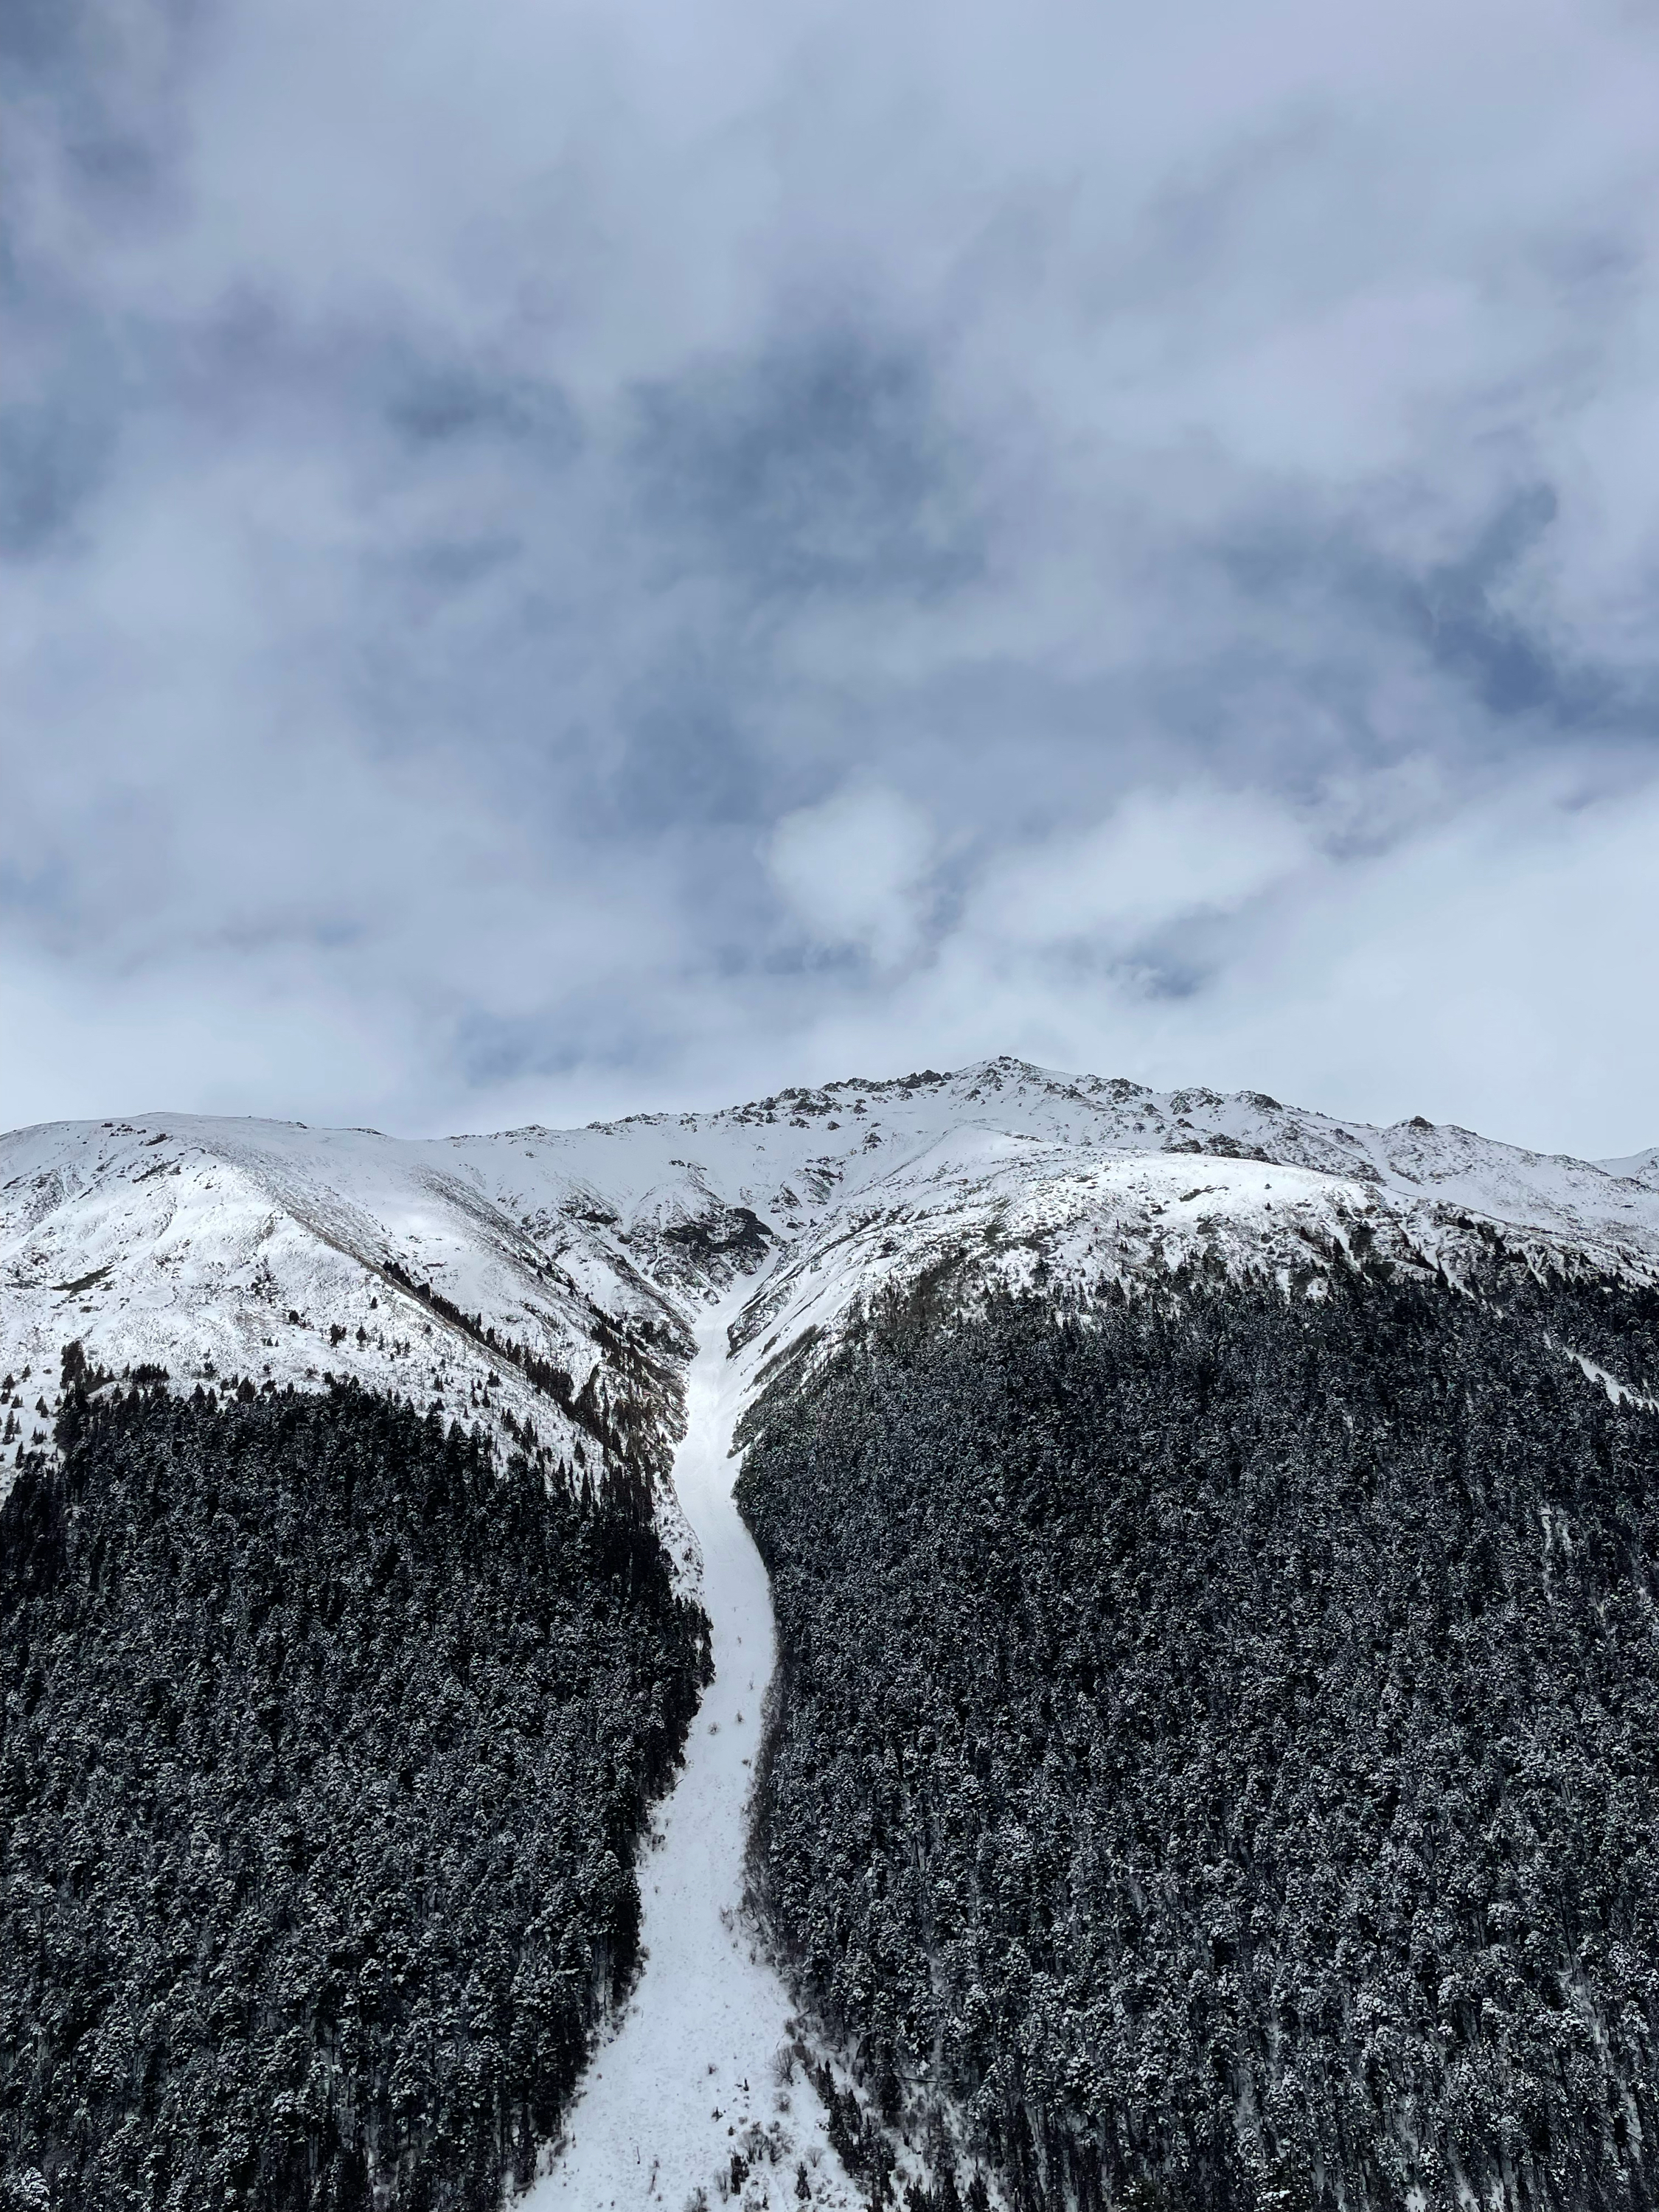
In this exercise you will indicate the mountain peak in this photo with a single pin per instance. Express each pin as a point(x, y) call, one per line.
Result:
point(298, 1256)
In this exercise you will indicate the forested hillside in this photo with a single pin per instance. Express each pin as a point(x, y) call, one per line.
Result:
point(325, 1741)
point(1217, 1742)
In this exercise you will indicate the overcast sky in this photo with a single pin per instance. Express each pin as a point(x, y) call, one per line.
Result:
point(563, 560)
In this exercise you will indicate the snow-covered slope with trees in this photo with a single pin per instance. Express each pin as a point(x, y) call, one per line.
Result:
point(572, 1294)
point(546, 1278)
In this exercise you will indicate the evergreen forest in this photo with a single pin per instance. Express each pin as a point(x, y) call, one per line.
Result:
point(1216, 1746)
point(327, 1743)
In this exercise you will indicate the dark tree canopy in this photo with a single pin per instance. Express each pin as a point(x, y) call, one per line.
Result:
point(325, 1744)
point(1217, 1740)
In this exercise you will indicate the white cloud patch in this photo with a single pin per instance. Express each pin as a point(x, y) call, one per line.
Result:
point(853, 871)
point(1162, 858)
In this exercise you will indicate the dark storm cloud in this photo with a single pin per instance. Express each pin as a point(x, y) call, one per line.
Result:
point(53, 455)
point(554, 558)
point(1524, 686)
point(822, 467)
point(1511, 670)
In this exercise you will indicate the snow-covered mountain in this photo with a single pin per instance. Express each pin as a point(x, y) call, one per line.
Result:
point(952, 1520)
point(547, 1277)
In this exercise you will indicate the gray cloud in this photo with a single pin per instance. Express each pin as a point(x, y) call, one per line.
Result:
point(557, 565)
point(824, 468)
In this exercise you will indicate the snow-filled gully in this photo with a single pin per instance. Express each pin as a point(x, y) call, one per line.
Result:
point(692, 2073)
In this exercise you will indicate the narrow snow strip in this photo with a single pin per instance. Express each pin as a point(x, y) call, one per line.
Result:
point(692, 2074)
point(1620, 1392)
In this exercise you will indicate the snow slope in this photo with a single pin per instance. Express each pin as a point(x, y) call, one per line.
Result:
point(169, 1239)
point(222, 1251)
point(283, 1255)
